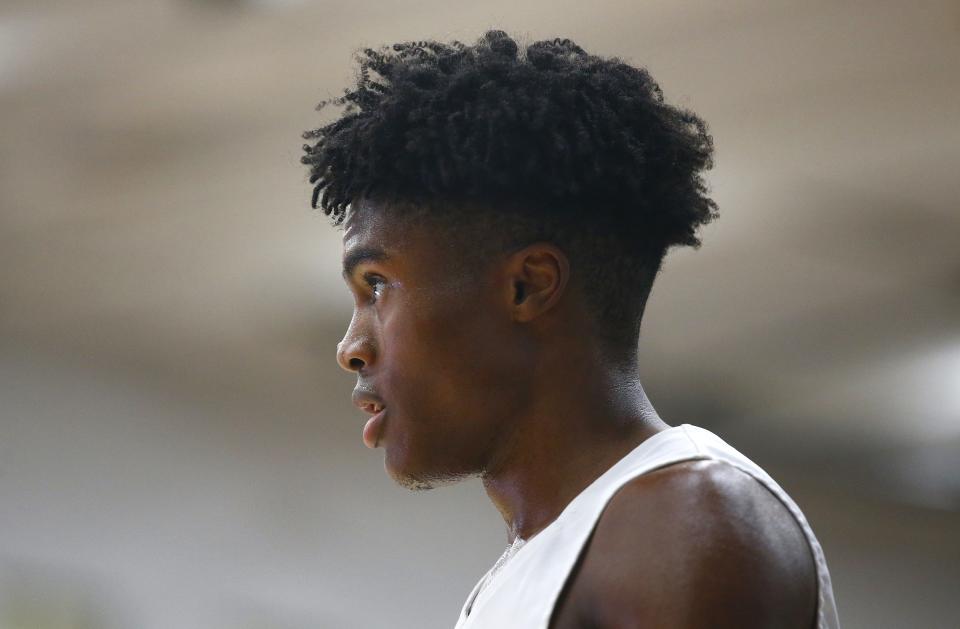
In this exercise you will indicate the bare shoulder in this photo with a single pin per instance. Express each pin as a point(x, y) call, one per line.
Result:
point(694, 544)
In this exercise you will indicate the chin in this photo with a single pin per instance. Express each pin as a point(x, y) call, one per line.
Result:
point(417, 480)
point(414, 484)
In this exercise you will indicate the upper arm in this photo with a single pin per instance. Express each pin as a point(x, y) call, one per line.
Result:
point(697, 544)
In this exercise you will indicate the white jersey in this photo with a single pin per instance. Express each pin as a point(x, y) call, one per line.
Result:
point(520, 591)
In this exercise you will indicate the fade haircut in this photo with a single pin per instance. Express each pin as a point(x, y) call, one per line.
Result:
point(504, 146)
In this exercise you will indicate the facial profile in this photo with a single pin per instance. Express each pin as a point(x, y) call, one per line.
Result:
point(429, 341)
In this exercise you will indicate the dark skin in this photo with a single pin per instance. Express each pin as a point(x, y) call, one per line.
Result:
point(697, 544)
point(490, 374)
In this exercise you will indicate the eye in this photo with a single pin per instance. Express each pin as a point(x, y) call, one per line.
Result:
point(375, 282)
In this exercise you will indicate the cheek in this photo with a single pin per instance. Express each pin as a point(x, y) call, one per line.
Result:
point(451, 366)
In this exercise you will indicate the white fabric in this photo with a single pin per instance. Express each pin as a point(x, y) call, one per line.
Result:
point(524, 589)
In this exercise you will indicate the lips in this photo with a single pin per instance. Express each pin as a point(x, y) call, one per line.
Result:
point(372, 430)
point(367, 400)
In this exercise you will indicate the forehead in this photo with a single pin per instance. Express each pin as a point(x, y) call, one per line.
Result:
point(414, 245)
point(373, 227)
point(366, 221)
point(369, 225)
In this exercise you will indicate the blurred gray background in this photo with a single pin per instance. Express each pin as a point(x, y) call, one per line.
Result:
point(177, 444)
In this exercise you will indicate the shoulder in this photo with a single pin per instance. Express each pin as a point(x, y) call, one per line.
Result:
point(695, 544)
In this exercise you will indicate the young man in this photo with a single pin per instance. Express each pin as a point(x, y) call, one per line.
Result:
point(505, 214)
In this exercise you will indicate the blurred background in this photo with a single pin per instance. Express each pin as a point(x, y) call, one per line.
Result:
point(177, 444)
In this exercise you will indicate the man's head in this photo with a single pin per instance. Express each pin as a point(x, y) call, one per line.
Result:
point(527, 198)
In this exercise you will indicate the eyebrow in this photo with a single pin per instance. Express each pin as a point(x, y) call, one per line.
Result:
point(359, 255)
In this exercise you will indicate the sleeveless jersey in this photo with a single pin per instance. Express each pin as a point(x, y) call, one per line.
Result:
point(521, 590)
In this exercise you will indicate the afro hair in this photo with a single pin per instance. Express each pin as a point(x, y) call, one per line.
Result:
point(554, 142)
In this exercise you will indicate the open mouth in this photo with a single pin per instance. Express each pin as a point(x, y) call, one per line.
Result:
point(374, 427)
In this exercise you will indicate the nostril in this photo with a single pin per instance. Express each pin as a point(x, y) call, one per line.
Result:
point(356, 363)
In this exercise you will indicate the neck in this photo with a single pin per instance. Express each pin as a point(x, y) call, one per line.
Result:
point(579, 425)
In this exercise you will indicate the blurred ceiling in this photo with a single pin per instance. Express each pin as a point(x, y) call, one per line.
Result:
point(154, 217)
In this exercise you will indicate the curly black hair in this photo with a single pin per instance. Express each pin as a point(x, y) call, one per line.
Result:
point(550, 142)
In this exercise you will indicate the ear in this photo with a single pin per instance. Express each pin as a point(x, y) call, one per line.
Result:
point(537, 277)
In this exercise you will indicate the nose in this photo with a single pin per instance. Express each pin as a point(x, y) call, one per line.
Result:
point(356, 350)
